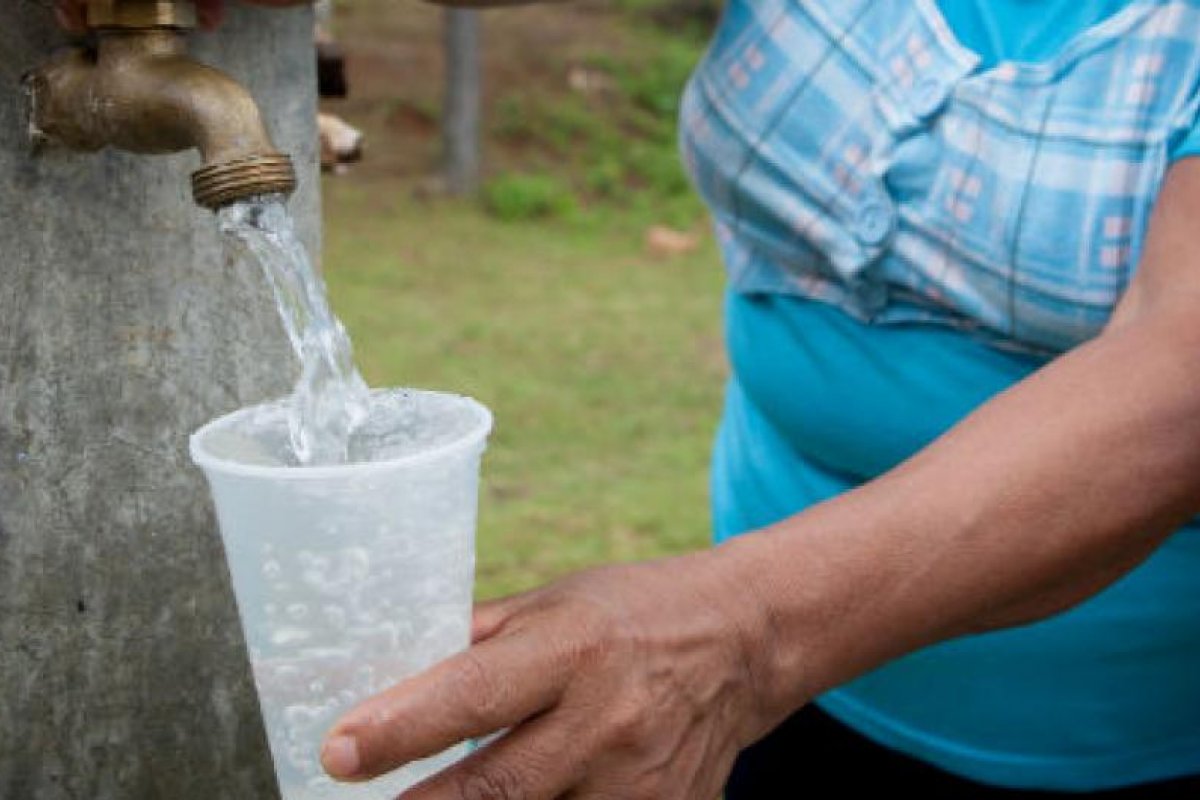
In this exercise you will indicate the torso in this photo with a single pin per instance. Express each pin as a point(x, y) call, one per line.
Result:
point(857, 154)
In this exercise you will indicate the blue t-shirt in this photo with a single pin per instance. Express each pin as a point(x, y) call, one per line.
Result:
point(1032, 31)
point(1107, 694)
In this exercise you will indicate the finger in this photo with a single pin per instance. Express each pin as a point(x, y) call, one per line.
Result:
point(488, 618)
point(71, 16)
point(211, 13)
point(540, 760)
point(496, 684)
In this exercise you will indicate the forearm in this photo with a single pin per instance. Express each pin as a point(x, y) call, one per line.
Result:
point(1038, 500)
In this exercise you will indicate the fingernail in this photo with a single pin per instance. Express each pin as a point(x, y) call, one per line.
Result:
point(209, 17)
point(339, 756)
point(67, 21)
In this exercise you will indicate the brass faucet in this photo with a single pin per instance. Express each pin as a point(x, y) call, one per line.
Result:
point(138, 90)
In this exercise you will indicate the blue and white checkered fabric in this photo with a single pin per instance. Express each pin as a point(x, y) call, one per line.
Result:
point(853, 152)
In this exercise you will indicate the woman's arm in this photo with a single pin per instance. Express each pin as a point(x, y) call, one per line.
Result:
point(1038, 500)
point(644, 681)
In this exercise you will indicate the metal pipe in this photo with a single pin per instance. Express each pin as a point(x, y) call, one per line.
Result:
point(138, 90)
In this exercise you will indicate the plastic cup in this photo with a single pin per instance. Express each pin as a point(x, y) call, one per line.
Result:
point(348, 579)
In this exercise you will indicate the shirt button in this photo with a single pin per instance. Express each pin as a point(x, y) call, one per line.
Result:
point(874, 223)
point(913, 166)
point(928, 97)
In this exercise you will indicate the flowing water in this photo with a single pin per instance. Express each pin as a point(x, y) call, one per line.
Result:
point(330, 400)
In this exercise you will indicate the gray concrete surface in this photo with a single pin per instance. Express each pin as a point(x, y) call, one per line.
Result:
point(122, 328)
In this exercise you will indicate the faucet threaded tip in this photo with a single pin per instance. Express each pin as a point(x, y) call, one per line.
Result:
point(141, 14)
point(219, 185)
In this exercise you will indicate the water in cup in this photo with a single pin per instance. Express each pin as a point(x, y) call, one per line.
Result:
point(348, 578)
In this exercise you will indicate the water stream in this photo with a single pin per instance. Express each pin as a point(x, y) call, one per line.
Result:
point(331, 400)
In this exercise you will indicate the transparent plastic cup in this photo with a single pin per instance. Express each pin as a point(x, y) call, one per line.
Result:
point(348, 578)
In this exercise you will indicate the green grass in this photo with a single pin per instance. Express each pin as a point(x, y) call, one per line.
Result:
point(616, 146)
point(522, 197)
point(602, 365)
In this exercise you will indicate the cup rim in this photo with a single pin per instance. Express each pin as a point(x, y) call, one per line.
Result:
point(210, 463)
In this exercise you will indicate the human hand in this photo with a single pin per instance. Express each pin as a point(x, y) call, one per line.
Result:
point(72, 14)
point(631, 682)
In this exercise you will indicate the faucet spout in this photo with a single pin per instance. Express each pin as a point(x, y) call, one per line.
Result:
point(139, 91)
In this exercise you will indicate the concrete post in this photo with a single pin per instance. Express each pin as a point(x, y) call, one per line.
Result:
point(461, 108)
point(122, 328)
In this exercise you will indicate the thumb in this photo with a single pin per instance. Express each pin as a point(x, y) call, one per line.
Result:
point(71, 15)
point(211, 13)
point(489, 617)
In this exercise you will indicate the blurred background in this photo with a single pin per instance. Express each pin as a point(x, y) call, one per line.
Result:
point(570, 282)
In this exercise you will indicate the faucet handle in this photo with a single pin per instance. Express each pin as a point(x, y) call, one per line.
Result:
point(141, 14)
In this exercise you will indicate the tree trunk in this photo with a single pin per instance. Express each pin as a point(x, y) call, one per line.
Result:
point(460, 117)
point(122, 328)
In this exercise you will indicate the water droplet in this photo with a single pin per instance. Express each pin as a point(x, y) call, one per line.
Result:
point(287, 636)
point(287, 672)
